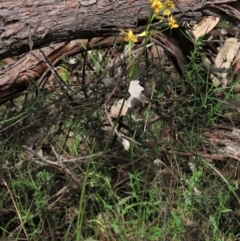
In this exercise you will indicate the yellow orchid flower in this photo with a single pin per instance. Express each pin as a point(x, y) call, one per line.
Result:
point(167, 12)
point(157, 5)
point(144, 33)
point(172, 22)
point(169, 4)
point(131, 37)
point(159, 17)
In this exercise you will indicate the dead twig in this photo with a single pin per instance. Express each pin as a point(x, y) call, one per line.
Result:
point(58, 165)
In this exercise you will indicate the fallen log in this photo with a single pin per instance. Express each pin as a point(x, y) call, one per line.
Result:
point(28, 26)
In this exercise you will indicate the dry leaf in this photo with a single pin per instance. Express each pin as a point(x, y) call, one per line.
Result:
point(225, 56)
point(125, 144)
point(158, 162)
point(116, 108)
point(227, 52)
point(205, 26)
point(135, 90)
point(136, 98)
point(236, 66)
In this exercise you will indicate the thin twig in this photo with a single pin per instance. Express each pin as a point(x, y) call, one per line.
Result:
point(88, 156)
point(58, 165)
point(189, 154)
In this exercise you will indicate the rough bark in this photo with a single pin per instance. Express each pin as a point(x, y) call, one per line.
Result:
point(30, 25)
point(26, 25)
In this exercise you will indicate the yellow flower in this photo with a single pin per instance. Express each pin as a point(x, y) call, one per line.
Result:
point(172, 22)
point(167, 12)
point(130, 37)
point(169, 4)
point(159, 17)
point(156, 5)
point(142, 34)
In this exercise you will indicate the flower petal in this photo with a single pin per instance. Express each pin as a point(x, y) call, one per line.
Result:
point(167, 12)
point(142, 34)
point(122, 31)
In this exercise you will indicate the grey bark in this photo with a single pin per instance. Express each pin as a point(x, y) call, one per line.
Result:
point(27, 25)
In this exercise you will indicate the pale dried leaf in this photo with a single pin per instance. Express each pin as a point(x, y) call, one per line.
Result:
point(135, 90)
point(72, 60)
point(40, 152)
point(225, 56)
point(158, 162)
point(120, 105)
point(227, 52)
point(196, 191)
point(216, 82)
point(205, 26)
point(191, 166)
point(125, 144)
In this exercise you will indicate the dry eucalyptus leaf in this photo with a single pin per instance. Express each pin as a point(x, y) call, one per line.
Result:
point(225, 56)
point(205, 26)
point(216, 82)
point(118, 106)
point(135, 90)
point(136, 98)
point(227, 52)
